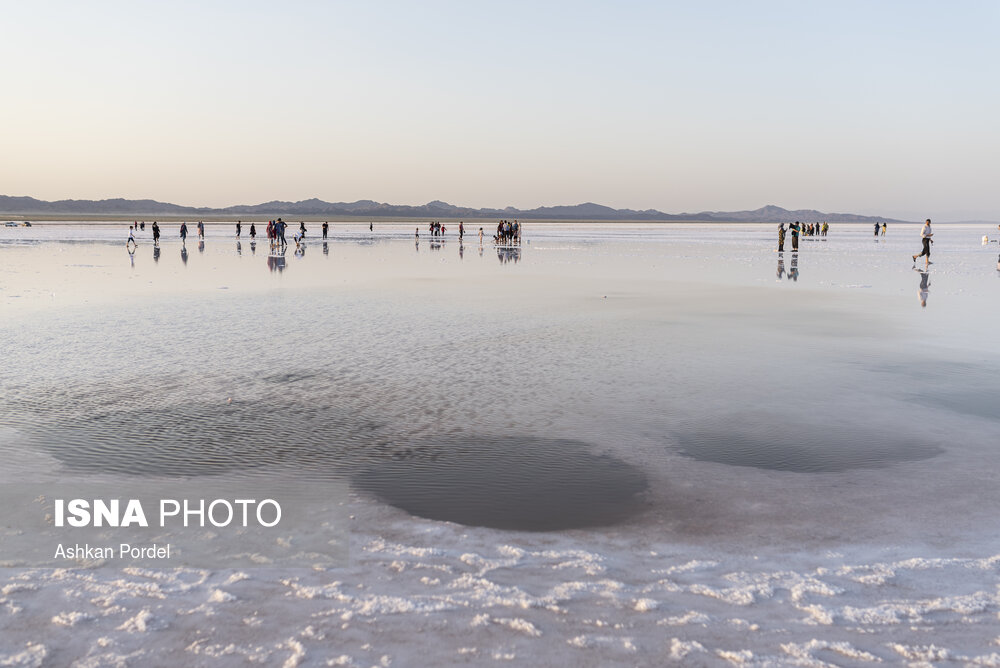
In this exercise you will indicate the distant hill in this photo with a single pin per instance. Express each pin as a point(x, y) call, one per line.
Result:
point(147, 208)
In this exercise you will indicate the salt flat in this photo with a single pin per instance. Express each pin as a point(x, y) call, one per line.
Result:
point(624, 444)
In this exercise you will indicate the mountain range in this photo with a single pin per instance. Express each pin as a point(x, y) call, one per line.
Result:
point(364, 209)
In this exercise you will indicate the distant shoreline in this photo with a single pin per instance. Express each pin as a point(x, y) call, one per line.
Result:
point(96, 220)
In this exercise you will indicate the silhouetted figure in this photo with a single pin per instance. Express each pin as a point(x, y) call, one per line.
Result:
point(925, 285)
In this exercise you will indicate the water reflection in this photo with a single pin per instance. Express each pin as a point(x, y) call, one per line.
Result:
point(461, 251)
point(276, 259)
point(253, 248)
point(201, 245)
point(184, 254)
point(239, 248)
point(781, 267)
point(793, 271)
point(131, 258)
point(508, 254)
point(925, 285)
point(156, 253)
point(326, 246)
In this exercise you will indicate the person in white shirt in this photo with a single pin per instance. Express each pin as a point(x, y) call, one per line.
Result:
point(925, 236)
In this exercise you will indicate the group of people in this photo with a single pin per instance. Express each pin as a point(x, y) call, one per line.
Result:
point(508, 233)
point(880, 228)
point(798, 229)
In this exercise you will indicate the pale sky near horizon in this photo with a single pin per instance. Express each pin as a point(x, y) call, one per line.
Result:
point(877, 108)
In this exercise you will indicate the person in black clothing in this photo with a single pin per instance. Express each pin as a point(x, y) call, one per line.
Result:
point(326, 226)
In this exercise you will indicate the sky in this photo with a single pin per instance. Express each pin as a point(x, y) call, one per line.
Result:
point(877, 108)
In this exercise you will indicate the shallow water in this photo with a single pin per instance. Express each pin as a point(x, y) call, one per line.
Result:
point(674, 378)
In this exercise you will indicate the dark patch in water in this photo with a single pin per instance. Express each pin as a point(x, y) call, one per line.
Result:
point(289, 377)
point(517, 483)
point(804, 449)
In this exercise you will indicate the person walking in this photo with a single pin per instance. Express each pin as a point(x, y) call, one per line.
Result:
point(885, 226)
point(184, 232)
point(925, 238)
point(201, 230)
point(156, 234)
point(781, 237)
point(253, 232)
point(239, 226)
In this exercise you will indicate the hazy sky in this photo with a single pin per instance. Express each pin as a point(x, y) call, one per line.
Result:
point(882, 108)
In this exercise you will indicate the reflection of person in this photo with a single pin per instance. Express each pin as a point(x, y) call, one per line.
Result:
point(925, 285)
point(925, 237)
point(184, 254)
point(793, 271)
point(781, 268)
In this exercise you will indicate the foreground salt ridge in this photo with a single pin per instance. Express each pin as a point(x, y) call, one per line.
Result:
point(543, 598)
